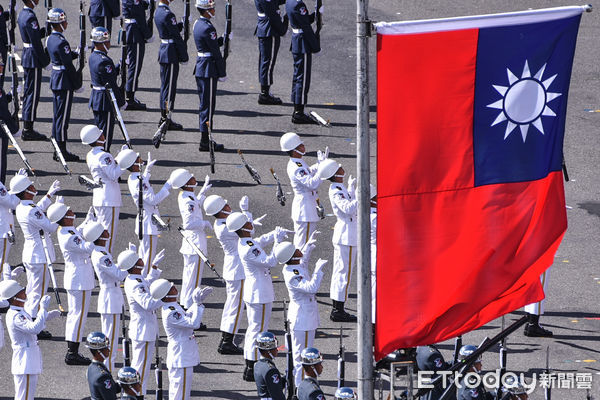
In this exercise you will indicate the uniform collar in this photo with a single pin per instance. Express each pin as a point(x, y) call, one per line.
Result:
point(99, 51)
point(97, 149)
point(57, 33)
point(336, 184)
point(99, 248)
point(164, 5)
point(27, 8)
point(16, 308)
point(294, 159)
point(26, 202)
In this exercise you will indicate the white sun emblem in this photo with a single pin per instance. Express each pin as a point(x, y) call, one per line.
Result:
point(524, 101)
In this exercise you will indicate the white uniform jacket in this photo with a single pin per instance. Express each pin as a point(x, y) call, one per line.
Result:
point(31, 217)
point(23, 330)
point(151, 201)
point(345, 208)
point(233, 269)
point(258, 286)
point(305, 183)
point(106, 171)
point(142, 306)
point(182, 349)
point(110, 297)
point(8, 202)
point(79, 273)
point(373, 237)
point(193, 221)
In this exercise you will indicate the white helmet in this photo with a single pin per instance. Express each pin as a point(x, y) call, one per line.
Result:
point(213, 204)
point(92, 231)
point(235, 221)
point(373, 190)
point(284, 252)
point(127, 259)
point(19, 183)
point(290, 141)
point(205, 4)
point(180, 177)
point(126, 158)
point(9, 289)
point(327, 169)
point(89, 134)
point(159, 288)
point(56, 211)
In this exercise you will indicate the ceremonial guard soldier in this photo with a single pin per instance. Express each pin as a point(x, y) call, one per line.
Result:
point(344, 205)
point(8, 204)
point(312, 363)
point(129, 159)
point(534, 311)
point(429, 358)
point(102, 12)
point(172, 51)
point(110, 297)
point(182, 349)
point(194, 225)
point(106, 197)
point(33, 60)
point(101, 383)
point(269, 382)
point(26, 363)
point(32, 219)
point(64, 80)
point(210, 68)
point(103, 72)
point(513, 389)
point(78, 278)
point(143, 326)
point(269, 29)
point(137, 34)
point(129, 379)
point(13, 125)
point(303, 312)
point(373, 218)
point(344, 393)
point(467, 392)
point(233, 273)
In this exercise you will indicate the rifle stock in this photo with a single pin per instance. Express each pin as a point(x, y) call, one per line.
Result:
point(341, 361)
point(226, 42)
point(280, 193)
point(17, 147)
point(199, 253)
point(289, 373)
point(211, 147)
point(82, 37)
point(60, 155)
point(186, 21)
point(117, 111)
point(126, 348)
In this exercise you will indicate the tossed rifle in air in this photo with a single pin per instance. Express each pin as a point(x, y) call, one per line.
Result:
point(226, 41)
point(199, 252)
point(52, 275)
point(17, 147)
point(251, 170)
point(341, 361)
point(117, 111)
point(186, 21)
point(88, 183)
point(161, 132)
point(122, 39)
point(280, 194)
point(126, 342)
point(12, 61)
point(158, 371)
point(289, 372)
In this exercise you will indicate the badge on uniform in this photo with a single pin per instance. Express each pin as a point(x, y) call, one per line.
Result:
point(177, 315)
point(438, 362)
point(34, 25)
point(108, 383)
point(38, 214)
point(144, 186)
point(474, 393)
point(108, 69)
point(141, 289)
point(298, 163)
point(107, 160)
point(275, 378)
point(213, 35)
point(340, 195)
point(138, 279)
point(77, 240)
point(107, 262)
point(2, 190)
point(173, 20)
point(104, 253)
point(302, 172)
point(302, 10)
point(191, 208)
point(67, 49)
point(256, 252)
point(171, 308)
point(72, 232)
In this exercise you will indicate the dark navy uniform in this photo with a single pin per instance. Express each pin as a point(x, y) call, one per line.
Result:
point(478, 393)
point(309, 389)
point(4, 17)
point(137, 32)
point(102, 385)
point(103, 71)
point(269, 29)
point(12, 125)
point(269, 382)
point(102, 12)
point(429, 358)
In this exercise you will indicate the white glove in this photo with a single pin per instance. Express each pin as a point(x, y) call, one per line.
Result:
point(321, 9)
point(158, 258)
point(149, 165)
point(22, 171)
point(206, 186)
point(91, 214)
point(15, 273)
point(322, 156)
point(4, 303)
point(132, 247)
point(281, 233)
point(123, 147)
point(80, 90)
point(244, 206)
point(199, 295)
point(258, 221)
point(55, 187)
point(44, 303)
point(230, 35)
point(351, 183)
point(122, 108)
point(223, 79)
point(52, 315)
point(150, 40)
point(312, 240)
point(320, 264)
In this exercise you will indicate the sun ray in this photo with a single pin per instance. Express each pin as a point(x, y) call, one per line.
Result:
point(497, 104)
point(551, 96)
point(538, 124)
point(526, 72)
point(548, 112)
point(501, 89)
point(524, 129)
point(501, 117)
point(540, 73)
point(512, 78)
point(549, 81)
point(510, 126)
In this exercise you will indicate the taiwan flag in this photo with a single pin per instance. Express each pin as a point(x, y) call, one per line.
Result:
point(471, 121)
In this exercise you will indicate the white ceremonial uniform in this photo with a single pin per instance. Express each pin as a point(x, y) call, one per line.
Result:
point(182, 349)
point(373, 262)
point(32, 219)
point(107, 198)
point(8, 202)
point(143, 325)
point(303, 312)
point(78, 280)
point(258, 288)
point(26, 363)
point(538, 307)
point(233, 274)
point(194, 227)
point(149, 242)
point(110, 298)
point(305, 183)
point(344, 240)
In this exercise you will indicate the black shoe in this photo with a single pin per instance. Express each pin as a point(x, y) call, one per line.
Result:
point(248, 374)
point(229, 348)
point(173, 126)
point(206, 147)
point(202, 327)
point(68, 156)
point(341, 316)
point(535, 330)
point(76, 359)
point(44, 335)
point(135, 105)
point(301, 118)
point(269, 99)
point(32, 135)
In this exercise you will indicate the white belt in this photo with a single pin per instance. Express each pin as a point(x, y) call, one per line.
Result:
point(204, 54)
point(166, 41)
point(129, 21)
point(98, 88)
point(262, 15)
point(299, 30)
point(27, 45)
point(58, 67)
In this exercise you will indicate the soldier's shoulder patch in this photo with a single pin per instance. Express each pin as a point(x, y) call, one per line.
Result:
point(474, 393)
point(34, 24)
point(296, 272)
point(139, 280)
point(303, 11)
point(38, 214)
point(298, 163)
point(256, 252)
point(438, 362)
point(250, 243)
point(213, 35)
point(190, 207)
point(173, 20)
point(2, 190)
point(77, 240)
point(108, 383)
point(108, 69)
point(22, 317)
point(340, 195)
point(275, 377)
point(107, 160)
point(107, 262)
point(144, 187)
point(177, 315)
point(320, 397)
point(71, 231)
point(32, 205)
point(67, 49)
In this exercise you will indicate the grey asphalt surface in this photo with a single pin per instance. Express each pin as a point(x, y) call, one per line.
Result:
point(574, 283)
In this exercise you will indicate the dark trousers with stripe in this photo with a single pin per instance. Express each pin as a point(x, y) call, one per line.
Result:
point(105, 121)
point(268, 47)
point(3, 156)
point(32, 79)
point(301, 79)
point(207, 93)
point(62, 102)
point(101, 21)
point(135, 60)
point(4, 54)
point(168, 84)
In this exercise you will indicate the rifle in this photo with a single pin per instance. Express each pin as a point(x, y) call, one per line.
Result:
point(158, 371)
point(211, 147)
point(289, 373)
point(52, 275)
point(341, 362)
point(280, 194)
point(226, 44)
point(186, 21)
point(17, 147)
point(162, 225)
point(322, 121)
point(126, 349)
point(457, 346)
point(82, 35)
point(113, 101)
point(318, 18)
point(88, 183)
point(150, 21)
point(12, 62)
point(548, 388)
point(60, 155)
point(502, 355)
point(161, 132)
point(199, 253)
point(251, 170)
point(564, 168)
point(140, 205)
point(48, 5)
point(123, 72)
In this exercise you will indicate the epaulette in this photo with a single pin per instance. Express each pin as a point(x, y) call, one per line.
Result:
point(250, 243)
point(296, 272)
point(171, 308)
point(72, 232)
point(298, 163)
point(104, 253)
point(139, 280)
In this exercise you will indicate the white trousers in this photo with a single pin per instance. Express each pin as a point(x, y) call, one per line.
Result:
point(373, 282)
point(233, 307)
point(302, 231)
point(79, 305)
point(4, 265)
point(300, 341)
point(180, 383)
point(538, 308)
point(1, 334)
point(344, 263)
point(25, 386)
point(111, 325)
point(191, 279)
point(258, 321)
point(141, 359)
point(147, 251)
point(109, 218)
point(38, 279)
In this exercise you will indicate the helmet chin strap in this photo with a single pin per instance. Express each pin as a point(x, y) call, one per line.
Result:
point(69, 217)
point(19, 300)
point(339, 176)
point(30, 192)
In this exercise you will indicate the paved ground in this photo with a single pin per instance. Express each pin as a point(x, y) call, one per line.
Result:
point(573, 288)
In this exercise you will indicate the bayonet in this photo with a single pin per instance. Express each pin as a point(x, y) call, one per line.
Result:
point(251, 170)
